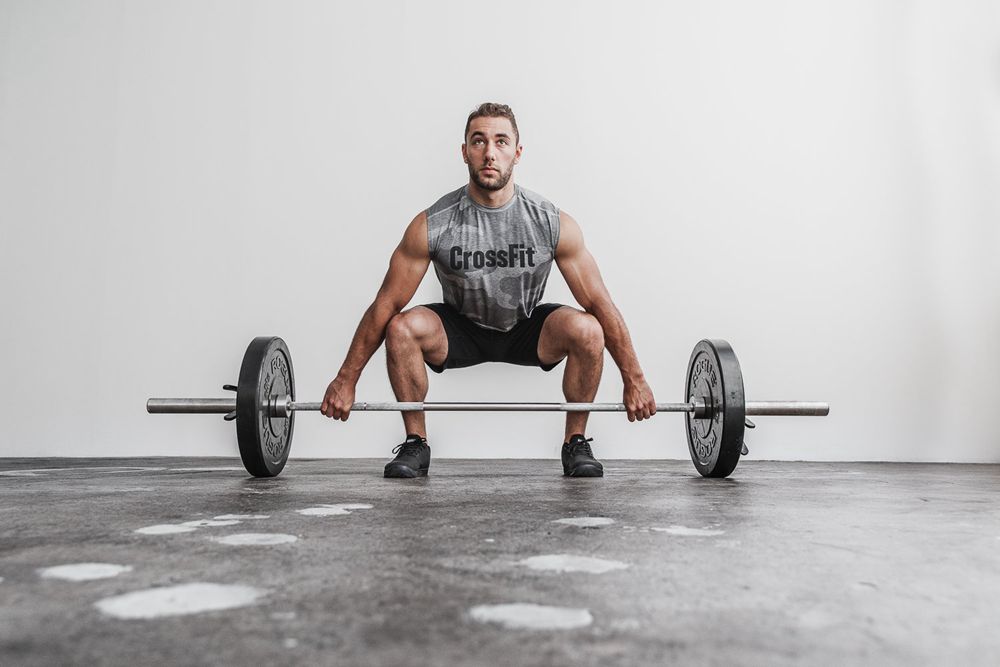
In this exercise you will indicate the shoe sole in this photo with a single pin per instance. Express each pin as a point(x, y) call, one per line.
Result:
point(404, 472)
point(584, 471)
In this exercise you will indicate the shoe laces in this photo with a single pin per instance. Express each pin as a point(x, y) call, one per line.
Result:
point(582, 447)
point(409, 448)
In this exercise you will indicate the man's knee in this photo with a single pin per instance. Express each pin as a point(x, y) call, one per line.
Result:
point(408, 327)
point(585, 334)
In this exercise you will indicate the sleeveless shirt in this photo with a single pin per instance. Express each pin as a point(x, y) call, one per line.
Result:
point(493, 263)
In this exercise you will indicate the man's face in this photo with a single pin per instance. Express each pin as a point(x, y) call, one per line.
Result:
point(491, 151)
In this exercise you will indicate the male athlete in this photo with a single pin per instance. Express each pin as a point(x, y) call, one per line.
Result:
point(492, 243)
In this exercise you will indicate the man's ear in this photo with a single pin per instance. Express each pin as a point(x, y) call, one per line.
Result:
point(465, 156)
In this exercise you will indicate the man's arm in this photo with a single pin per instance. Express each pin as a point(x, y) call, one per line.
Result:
point(407, 267)
point(583, 277)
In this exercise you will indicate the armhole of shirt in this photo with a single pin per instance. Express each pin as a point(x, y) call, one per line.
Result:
point(554, 233)
point(431, 249)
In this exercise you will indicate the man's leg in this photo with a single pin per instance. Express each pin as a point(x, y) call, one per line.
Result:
point(572, 333)
point(412, 337)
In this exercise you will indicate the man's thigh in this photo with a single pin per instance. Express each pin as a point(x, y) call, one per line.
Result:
point(430, 333)
point(553, 341)
point(464, 341)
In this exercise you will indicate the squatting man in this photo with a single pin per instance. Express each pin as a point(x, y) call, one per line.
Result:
point(492, 243)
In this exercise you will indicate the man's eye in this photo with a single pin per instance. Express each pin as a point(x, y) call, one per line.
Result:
point(503, 141)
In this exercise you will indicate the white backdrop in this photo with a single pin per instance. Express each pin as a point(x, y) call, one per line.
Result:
point(816, 182)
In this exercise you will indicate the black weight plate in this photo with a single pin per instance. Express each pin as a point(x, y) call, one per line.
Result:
point(714, 376)
point(264, 441)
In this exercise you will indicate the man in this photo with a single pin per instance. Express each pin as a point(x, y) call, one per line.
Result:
point(492, 244)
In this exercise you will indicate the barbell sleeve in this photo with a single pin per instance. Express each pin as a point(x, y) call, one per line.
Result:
point(206, 406)
point(787, 408)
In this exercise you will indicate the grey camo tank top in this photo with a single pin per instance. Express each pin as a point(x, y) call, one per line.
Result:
point(493, 263)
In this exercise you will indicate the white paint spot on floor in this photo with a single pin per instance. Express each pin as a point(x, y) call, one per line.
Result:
point(1, 580)
point(83, 571)
point(522, 616)
point(179, 600)
point(241, 517)
point(490, 540)
point(586, 521)
point(290, 642)
point(131, 489)
point(165, 529)
point(208, 523)
point(322, 511)
point(105, 469)
point(570, 563)
point(689, 532)
point(333, 510)
point(255, 539)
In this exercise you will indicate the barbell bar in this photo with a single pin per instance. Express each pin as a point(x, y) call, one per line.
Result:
point(281, 406)
point(264, 408)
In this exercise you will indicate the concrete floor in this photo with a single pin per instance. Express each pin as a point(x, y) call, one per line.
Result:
point(785, 563)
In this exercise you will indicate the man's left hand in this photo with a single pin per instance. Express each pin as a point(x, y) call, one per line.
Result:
point(639, 401)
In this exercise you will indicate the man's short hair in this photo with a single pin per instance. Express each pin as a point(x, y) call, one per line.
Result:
point(493, 110)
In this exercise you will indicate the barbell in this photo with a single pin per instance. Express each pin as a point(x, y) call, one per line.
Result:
point(264, 407)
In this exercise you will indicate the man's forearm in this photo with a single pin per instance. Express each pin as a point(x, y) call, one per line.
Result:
point(367, 339)
point(618, 341)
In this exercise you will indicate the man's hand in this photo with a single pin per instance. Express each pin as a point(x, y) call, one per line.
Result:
point(339, 399)
point(639, 401)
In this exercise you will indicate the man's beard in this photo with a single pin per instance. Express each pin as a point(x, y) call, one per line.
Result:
point(497, 184)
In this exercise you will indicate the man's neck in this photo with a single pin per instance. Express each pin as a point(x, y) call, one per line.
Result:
point(491, 198)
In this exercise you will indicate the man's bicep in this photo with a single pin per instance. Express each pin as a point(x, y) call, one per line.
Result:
point(578, 266)
point(407, 265)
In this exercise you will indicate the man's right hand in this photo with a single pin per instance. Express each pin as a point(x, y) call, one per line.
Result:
point(339, 399)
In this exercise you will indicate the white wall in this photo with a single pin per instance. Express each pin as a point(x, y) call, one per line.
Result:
point(815, 181)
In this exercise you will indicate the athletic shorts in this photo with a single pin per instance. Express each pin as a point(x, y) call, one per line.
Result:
point(470, 344)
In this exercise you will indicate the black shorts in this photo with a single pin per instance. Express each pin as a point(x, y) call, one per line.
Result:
point(470, 344)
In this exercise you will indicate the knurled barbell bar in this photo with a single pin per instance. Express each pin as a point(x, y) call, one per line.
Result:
point(264, 408)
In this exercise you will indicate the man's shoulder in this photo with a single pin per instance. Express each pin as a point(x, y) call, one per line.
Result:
point(535, 200)
point(445, 203)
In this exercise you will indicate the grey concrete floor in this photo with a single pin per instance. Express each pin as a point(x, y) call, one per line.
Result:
point(785, 563)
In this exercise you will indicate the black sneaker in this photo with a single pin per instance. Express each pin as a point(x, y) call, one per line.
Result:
point(578, 460)
point(413, 458)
